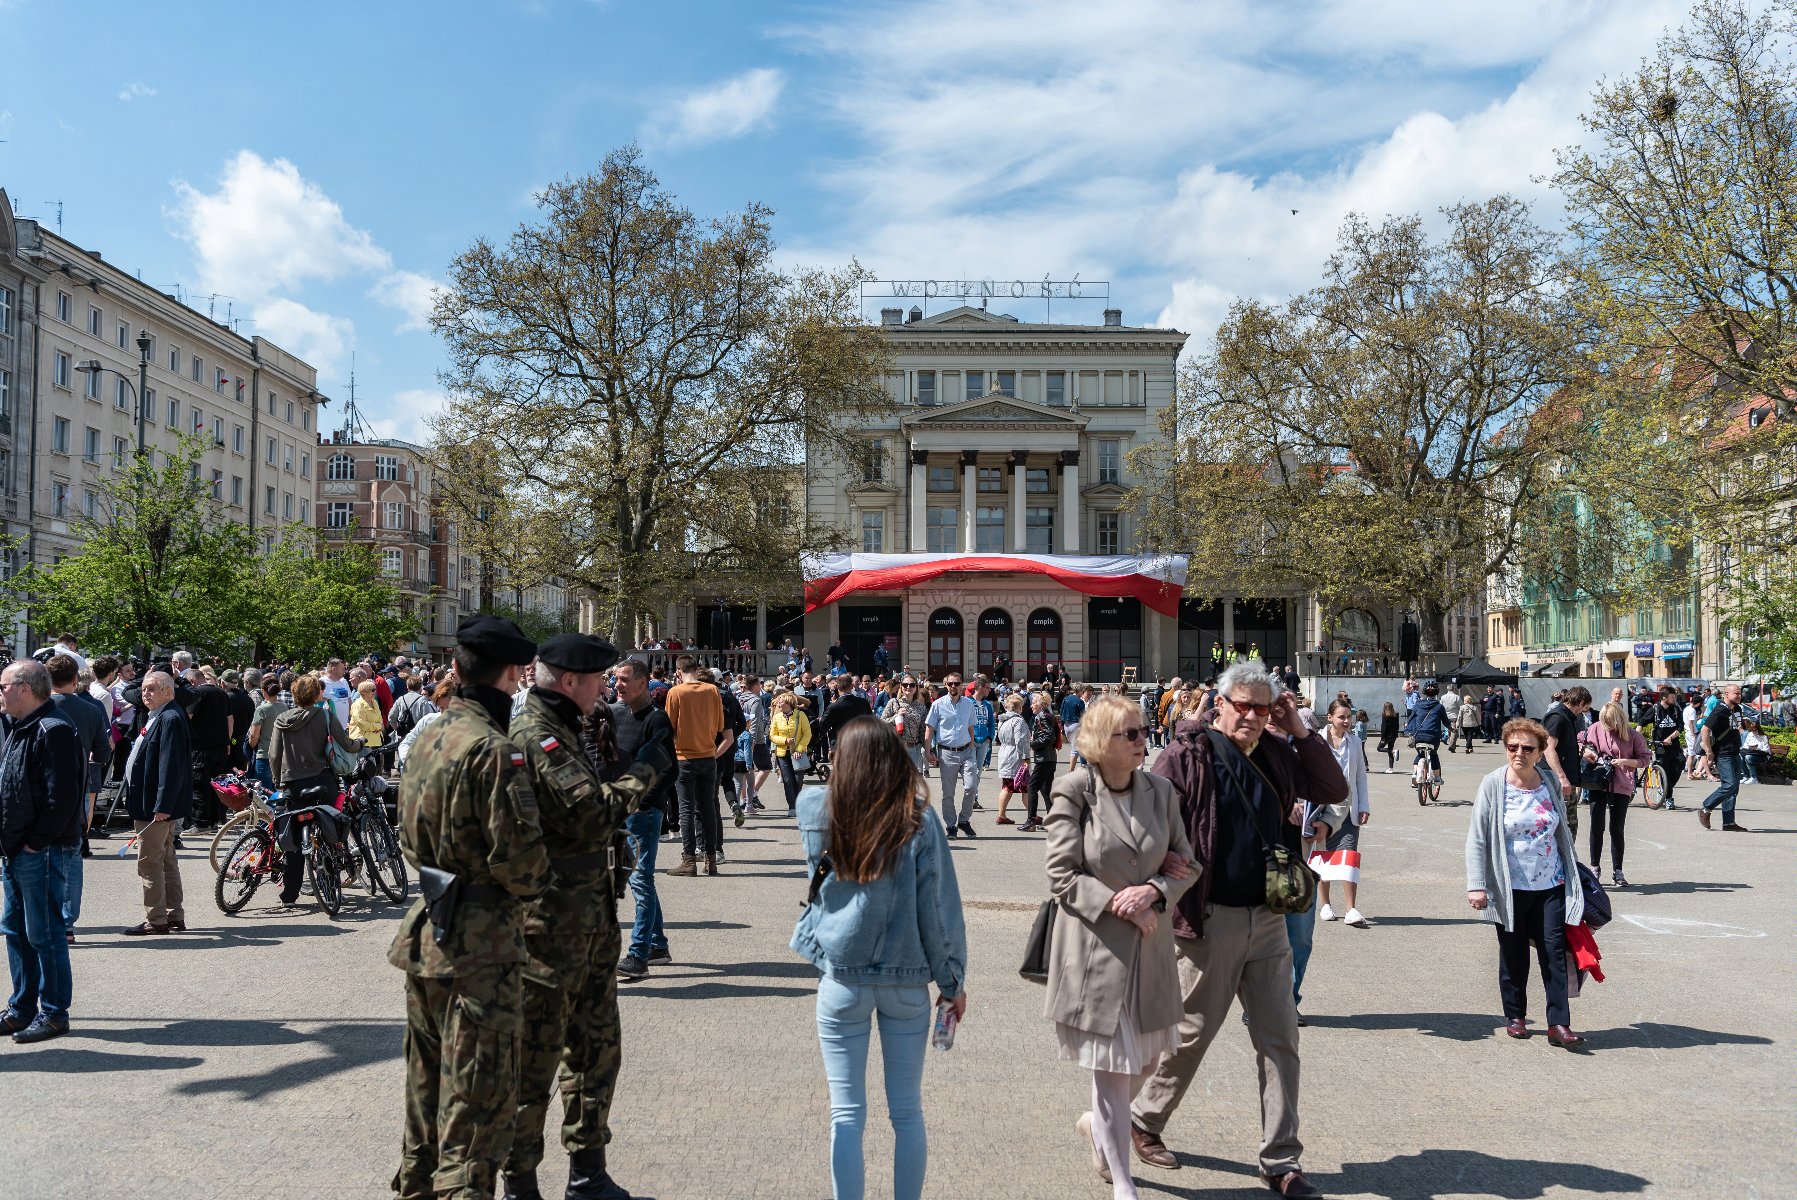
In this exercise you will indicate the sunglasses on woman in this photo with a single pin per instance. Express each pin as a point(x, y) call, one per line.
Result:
point(1522, 747)
point(1132, 734)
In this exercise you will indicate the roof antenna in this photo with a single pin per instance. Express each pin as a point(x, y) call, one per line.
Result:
point(58, 205)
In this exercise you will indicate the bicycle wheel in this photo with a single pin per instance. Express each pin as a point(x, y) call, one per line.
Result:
point(1433, 787)
point(381, 854)
point(322, 871)
point(1653, 785)
point(227, 835)
point(243, 869)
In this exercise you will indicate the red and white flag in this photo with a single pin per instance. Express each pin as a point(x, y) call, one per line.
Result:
point(1156, 581)
point(1337, 866)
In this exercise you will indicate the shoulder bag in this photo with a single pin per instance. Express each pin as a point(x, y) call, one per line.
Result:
point(1036, 950)
point(1594, 776)
point(1291, 884)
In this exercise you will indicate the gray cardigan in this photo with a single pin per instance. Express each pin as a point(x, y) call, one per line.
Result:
point(1487, 865)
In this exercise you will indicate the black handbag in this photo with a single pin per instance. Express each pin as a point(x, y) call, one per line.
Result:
point(1597, 900)
point(1596, 776)
point(1035, 951)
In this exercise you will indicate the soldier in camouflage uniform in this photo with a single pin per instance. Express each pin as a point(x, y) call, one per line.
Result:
point(571, 930)
point(468, 809)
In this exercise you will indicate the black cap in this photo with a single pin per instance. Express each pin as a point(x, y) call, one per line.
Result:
point(581, 653)
point(496, 639)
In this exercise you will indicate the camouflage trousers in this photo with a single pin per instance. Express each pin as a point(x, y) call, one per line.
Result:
point(570, 1021)
point(462, 1054)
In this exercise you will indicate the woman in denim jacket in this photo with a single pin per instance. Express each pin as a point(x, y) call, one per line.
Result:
point(884, 920)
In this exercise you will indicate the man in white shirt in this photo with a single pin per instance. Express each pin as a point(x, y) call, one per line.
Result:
point(66, 645)
point(948, 745)
point(1450, 710)
point(337, 689)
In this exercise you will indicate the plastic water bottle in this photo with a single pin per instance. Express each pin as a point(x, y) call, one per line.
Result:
point(942, 1036)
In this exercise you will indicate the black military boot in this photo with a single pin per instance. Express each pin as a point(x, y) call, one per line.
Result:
point(587, 1177)
point(521, 1187)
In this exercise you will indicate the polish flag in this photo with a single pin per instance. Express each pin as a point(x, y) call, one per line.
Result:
point(1337, 866)
point(1156, 581)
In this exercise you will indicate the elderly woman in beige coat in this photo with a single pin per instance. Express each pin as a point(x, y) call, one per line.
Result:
point(1118, 855)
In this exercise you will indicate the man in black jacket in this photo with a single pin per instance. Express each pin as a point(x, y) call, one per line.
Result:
point(1564, 720)
point(635, 720)
point(159, 796)
point(210, 724)
point(43, 778)
point(840, 711)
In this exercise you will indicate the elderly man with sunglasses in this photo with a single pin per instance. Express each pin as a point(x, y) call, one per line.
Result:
point(1240, 793)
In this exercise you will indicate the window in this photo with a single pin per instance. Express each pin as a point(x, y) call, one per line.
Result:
point(121, 395)
point(62, 308)
point(90, 384)
point(120, 447)
point(90, 503)
point(6, 311)
point(195, 372)
point(873, 532)
point(219, 382)
point(59, 435)
point(268, 501)
point(218, 485)
point(90, 445)
point(174, 412)
point(991, 479)
point(1110, 533)
point(1035, 481)
point(1038, 530)
point(1108, 466)
point(236, 491)
point(174, 360)
point(341, 466)
point(1006, 383)
point(390, 560)
point(149, 404)
point(976, 384)
point(236, 439)
point(940, 535)
point(873, 470)
point(273, 448)
point(218, 431)
point(287, 506)
point(59, 498)
point(305, 511)
point(60, 368)
point(124, 334)
point(989, 529)
point(290, 412)
point(305, 466)
point(386, 466)
point(287, 457)
point(5, 393)
point(942, 479)
point(396, 515)
point(926, 387)
point(306, 420)
point(93, 320)
point(199, 422)
point(1054, 390)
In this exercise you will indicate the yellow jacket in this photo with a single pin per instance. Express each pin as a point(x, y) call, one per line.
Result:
point(789, 734)
point(365, 720)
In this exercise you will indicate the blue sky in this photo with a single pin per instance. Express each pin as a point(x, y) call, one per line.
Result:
point(321, 164)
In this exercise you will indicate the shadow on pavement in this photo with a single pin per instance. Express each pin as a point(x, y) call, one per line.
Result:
point(338, 1047)
point(796, 969)
point(1654, 1035)
point(1459, 1027)
point(1681, 887)
point(1394, 921)
point(704, 925)
point(1432, 1173)
point(715, 991)
point(68, 1060)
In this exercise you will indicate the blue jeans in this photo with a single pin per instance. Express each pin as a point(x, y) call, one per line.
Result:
point(643, 830)
point(1728, 786)
point(260, 769)
point(65, 862)
point(844, 1021)
point(37, 946)
point(1300, 930)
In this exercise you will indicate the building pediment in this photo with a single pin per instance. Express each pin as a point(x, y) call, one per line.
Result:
point(873, 492)
point(1114, 492)
point(996, 411)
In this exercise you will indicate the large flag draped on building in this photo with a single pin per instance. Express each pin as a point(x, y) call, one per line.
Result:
point(1156, 581)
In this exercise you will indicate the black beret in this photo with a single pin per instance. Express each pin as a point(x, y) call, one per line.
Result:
point(578, 652)
point(495, 639)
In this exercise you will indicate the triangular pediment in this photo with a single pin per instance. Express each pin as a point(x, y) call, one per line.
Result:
point(996, 409)
point(966, 314)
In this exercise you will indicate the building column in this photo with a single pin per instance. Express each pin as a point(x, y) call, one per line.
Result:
point(1018, 465)
point(761, 625)
point(919, 488)
point(969, 496)
point(1228, 629)
point(1069, 502)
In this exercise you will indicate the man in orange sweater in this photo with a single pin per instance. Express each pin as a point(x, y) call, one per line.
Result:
point(697, 714)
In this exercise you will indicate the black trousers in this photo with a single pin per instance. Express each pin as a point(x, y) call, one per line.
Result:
point(1540, 918)
point(1614, 808)
point(1041, 781)
point(1674, 765)
point(207, 763)
point(701, 825)
point(789, 780)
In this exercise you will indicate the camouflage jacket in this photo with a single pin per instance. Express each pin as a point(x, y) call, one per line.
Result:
point(579, 815)
point(467, 807)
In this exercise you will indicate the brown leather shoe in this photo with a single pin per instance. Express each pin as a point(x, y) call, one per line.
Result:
point(1703, 817)
point(1562, 1036)
point(1292, 1185)
point(1731, 827)
point(1150, 1149)
point(711, 864)
point(144, 928)
point(689, 865)
point(1517, 1028)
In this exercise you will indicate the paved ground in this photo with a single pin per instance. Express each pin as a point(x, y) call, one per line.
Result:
point(259, 1055)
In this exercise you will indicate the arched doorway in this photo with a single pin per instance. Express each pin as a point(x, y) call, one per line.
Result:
point(945, 642)
point(994, 639)
point(1042, 642)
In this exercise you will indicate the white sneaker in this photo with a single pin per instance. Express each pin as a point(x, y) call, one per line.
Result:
point(1325, 913)
point(1355, 918)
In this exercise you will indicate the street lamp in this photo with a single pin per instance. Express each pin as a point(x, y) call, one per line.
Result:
point(94, 366)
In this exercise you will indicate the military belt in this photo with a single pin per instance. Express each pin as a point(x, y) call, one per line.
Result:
point(485, 892)
point(581, 864)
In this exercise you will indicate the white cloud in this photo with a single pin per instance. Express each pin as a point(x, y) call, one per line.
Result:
point(320, 338)
point(720, 112)
point(412, 294)
point(1163, 144)
point(407, 414)
point(136, 91)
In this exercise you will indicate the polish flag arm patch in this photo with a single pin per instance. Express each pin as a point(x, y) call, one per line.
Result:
point(551, 744)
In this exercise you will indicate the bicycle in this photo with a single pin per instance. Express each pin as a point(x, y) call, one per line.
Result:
point(373, 835)
point(1427, 782)
point(1651, 785)
point(254, 857)
point(247, 798)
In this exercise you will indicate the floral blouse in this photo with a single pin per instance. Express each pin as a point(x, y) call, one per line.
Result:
point(1531, 821)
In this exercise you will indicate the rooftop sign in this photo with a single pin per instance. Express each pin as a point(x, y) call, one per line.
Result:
point(988, 289)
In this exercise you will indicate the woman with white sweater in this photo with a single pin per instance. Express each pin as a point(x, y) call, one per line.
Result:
point(1522, 875)
point(1340, 855)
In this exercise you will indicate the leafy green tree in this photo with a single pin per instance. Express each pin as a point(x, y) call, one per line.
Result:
point(312, 598)
point(630, 382)
point(536, 625)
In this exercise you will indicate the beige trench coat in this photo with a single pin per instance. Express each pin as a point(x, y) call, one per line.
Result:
point(1115, 847)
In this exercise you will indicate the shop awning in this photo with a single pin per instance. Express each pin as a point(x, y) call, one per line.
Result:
point(1155, 581)
point(1557, 670)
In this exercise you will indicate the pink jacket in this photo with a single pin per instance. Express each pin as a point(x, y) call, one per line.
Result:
point(1600, 739)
